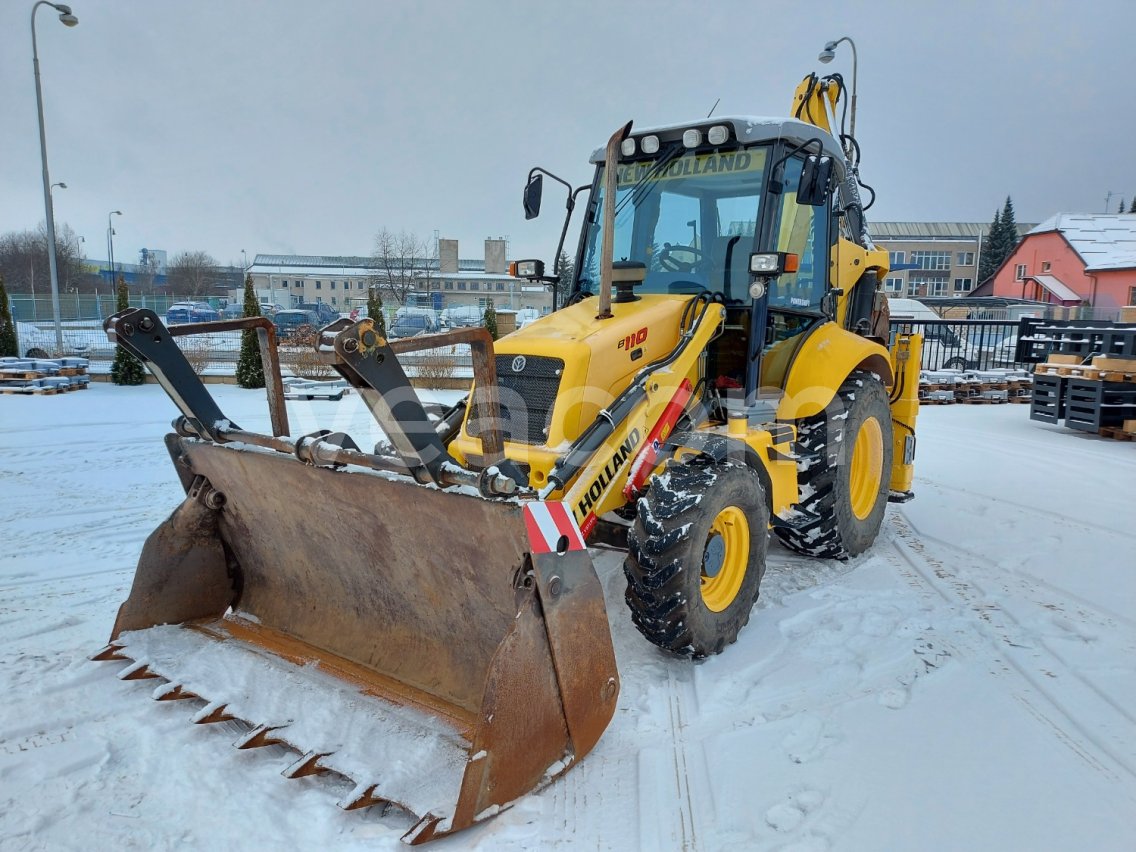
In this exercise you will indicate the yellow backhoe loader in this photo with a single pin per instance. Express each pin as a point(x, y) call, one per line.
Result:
point(424, 618)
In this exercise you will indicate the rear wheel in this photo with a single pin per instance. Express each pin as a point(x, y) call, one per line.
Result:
point(36, 352)
point(696, 555)
point(845, 455)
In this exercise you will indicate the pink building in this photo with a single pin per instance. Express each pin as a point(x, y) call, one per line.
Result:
point(1072, 259)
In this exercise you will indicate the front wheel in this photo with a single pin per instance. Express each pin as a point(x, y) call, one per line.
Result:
point(843, 471)
point(696, 555)
point(955, 364)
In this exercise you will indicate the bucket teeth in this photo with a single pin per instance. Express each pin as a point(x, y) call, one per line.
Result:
point(307, 765)
point(173, 692)
point(110, 652)
point(425, 829)
point(363, 796)
point(260, 736)
point(212, 713)
point(138, 671)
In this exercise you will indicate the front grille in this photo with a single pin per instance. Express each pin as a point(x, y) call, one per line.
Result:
point(527, 397)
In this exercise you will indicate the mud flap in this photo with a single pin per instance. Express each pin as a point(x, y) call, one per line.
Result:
point(435, 647)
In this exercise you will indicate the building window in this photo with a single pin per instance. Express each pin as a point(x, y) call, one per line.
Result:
point(473, 285)
point(319, 286)
point(483, 303)
point(939, 260)
point(332, 283)
point(965, 258)
point(500, 287)
point(912, 289)
point(1045, 266)
point(1019, 272)
point(895, 257)
point(333, 300)
point(895, 285)
point(1132, 295)
point(963, 285)
point(449, 285)
point(938, 288)
point(461, 285)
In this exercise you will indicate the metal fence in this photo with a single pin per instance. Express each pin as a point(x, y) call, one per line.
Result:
point(966, 344)
point(84, 307)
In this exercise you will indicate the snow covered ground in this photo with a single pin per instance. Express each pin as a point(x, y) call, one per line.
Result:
point(967, 684)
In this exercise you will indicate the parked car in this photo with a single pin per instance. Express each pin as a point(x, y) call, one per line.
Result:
point(233, 311)
point(412, 325)
point(464, 316)
point(183, 312)
point(324, 312)
point(36, 343)
point(943, 349)
point(294, 322)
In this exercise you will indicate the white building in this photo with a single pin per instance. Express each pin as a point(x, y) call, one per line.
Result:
point(343, 281)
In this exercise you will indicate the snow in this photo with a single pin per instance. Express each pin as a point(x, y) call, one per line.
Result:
point(968, 683)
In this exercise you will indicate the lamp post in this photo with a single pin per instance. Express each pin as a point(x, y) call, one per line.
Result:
point(110, 249)
point(827, 56)
point(68, 20)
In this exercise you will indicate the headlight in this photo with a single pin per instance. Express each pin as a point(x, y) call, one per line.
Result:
point(649, 144)
point(627, 147)
point(692, 138)
point(718, 134)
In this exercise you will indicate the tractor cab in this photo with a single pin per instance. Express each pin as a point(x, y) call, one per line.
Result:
point(694, 203)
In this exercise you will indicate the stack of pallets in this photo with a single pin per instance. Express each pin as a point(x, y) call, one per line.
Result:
point(43, 376)
point(1098, 397)
point(973, 387)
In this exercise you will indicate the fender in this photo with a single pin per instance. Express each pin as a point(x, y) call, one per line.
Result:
point(824, 361)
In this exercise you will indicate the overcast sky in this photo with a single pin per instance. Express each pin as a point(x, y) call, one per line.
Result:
point(303, 127)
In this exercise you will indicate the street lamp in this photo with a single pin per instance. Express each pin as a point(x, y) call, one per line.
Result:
point(827, 56)
point(61, 185)
point(110, 248)
point(68, 20)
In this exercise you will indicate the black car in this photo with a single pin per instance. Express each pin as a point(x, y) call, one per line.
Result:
point(291, 323)
point(325, 313)
point(411, 325)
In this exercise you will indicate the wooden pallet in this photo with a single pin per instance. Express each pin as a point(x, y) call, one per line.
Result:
point(33, 391)
point(22, 375)
point(1116, 434)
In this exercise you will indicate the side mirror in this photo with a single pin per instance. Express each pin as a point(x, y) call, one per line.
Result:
point(532, 196)
point(816, 175)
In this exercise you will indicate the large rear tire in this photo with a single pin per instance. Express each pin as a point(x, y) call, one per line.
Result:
point(843, 471)
point(696, 555)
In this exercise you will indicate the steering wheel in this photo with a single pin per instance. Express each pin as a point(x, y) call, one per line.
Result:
point(671, 264)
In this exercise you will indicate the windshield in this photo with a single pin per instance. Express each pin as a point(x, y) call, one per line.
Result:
point(689, 218)
point(692, 219)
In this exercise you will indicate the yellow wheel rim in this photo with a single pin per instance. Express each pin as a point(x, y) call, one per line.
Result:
point(725, 558)
point(866, 472)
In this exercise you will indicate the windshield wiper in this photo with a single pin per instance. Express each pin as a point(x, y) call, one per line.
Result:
point(638, 190)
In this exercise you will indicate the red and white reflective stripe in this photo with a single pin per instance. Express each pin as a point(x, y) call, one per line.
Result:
point(549, 522)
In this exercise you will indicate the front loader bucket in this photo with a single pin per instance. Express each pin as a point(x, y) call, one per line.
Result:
point(446, 652)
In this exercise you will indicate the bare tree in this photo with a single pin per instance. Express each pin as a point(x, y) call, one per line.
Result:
point(23, 261)
point(402, 264)
point(192, 274)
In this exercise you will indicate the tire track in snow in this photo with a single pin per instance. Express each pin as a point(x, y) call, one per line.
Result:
point(1109, 752)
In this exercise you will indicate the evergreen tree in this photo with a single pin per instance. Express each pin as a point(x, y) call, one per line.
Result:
point(986, 265)
point(567, 272)
point(375, 310)
point(9, 346)
point(490, 321)
point(126, 369)
point(1120, 209)
point(1132, 206)
point(250, 369)
point(1009, 229)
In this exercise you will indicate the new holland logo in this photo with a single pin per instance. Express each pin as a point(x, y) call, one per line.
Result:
point(519, 364)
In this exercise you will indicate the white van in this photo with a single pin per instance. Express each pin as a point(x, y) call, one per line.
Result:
point(943, 349)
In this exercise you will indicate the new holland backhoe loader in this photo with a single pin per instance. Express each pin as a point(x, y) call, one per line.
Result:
point(424, 618)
